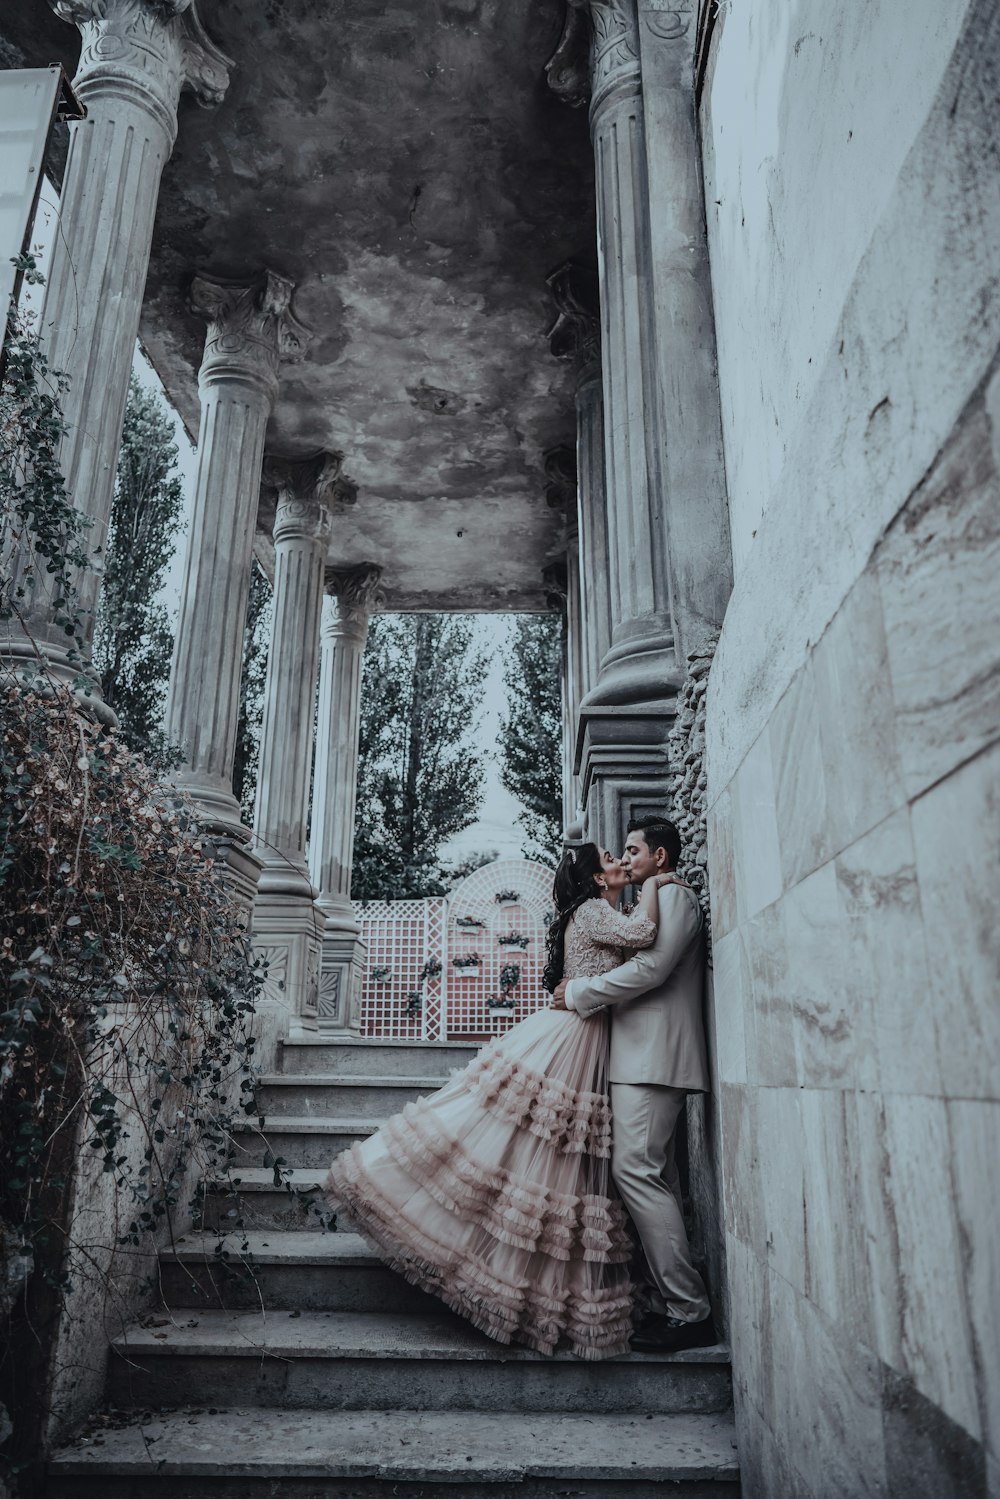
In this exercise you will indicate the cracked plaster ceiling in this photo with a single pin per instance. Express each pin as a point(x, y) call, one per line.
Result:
point(407, 167)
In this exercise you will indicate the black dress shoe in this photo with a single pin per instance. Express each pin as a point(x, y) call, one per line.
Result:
point(660, 1334)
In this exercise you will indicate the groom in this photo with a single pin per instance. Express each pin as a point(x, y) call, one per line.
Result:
point(658, 1056)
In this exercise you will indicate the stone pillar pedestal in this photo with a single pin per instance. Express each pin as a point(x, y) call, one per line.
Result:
point(137, 56)
point(250, 329)
point(351, 593)
point(287, 926)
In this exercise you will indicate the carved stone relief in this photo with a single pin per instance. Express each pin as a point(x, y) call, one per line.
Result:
point(249, 325)
point(687, 780)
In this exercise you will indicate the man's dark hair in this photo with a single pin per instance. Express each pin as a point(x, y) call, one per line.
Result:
point(659, 832)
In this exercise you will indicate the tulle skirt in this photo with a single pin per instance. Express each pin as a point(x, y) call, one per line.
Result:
point(495, 1193)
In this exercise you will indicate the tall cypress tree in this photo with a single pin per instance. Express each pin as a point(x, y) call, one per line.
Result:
point(256, 645)
point(420, 776)
point(133, 640)
point(531, 732)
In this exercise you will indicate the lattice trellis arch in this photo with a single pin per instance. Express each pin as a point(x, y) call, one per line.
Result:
point(408, 939)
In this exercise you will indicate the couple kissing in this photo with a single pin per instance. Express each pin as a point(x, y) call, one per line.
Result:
point(516, 1193)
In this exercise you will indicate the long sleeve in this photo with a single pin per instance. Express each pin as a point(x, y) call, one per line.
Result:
point(680, 920)
point(601, 924)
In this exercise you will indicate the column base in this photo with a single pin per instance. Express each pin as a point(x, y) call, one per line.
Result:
point(640, 668)
point(622, 760)
point(216, 807)
point(287, 936)
point(342, 969)
point(47, 665)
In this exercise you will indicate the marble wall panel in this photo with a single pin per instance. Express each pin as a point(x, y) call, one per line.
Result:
point(877, 1210)
point(770, 1040)
point(926, 1452)
point(975, 1144)
point(722, 863)
point(885, 954)
point(833, 1024)
point(750, 1321)
point(765, 1470)
point(937, 1347)
point(758, 861)
point(781, 1177)
point(799, 780)
point(938, 570)
point(956, 835)
point(857, 728)
point(740, 1178)
point(827, 1399)
point(732, 1007)
point(836, 1275)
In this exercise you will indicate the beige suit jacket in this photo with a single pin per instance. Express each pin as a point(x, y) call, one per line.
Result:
point(657, 1030)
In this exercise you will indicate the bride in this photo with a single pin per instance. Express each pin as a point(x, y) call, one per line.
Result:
point(495, 1193)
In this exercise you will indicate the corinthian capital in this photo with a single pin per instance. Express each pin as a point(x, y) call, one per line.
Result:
point(150, 48)
point(568, 69)
point(354, 588)
point(251, 328)
point(576, 332)
point(354, 592)
point(310, 479)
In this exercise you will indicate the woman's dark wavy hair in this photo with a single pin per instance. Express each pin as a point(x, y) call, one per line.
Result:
point(573, 884)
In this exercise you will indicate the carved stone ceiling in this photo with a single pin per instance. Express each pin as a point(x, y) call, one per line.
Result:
point(407, 167)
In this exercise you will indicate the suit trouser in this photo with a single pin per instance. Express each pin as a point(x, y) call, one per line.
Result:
point(642, 1163)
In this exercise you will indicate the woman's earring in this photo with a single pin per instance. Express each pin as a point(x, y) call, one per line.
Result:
point(602, 884)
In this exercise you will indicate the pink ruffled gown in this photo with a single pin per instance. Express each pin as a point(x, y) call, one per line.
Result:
point(495, 1193)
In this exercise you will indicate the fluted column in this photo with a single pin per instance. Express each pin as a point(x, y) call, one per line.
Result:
point(696, 507)
point(575, 336)
point(640, 665)
point(250, 329)
point(626, 715)
point(137, 57)
point(287, 927)
point(302, 530)
point(351, 593)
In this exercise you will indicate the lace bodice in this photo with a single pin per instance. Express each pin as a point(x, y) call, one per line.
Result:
point(599, 938)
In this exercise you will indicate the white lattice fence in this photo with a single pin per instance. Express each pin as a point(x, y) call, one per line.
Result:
point(421, 982)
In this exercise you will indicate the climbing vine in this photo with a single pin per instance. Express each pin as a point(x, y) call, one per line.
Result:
point(127, 980)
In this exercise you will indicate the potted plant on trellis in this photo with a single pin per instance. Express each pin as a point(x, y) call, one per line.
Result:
point(507, 897)
point(469, 923)
point(513, 939)
point(510, 977)
point(466, 964)
point(381, 974)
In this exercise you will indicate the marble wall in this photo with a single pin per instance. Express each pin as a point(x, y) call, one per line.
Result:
point(853, 755)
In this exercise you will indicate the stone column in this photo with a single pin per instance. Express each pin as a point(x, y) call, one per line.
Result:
point(250, 329)
point(699, 549)
point(351, 591)
point(626, 715)
point(287, 926)
point(575, 336)
point(137, 57)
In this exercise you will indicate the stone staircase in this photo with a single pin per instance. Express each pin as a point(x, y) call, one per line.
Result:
point(322, 1375)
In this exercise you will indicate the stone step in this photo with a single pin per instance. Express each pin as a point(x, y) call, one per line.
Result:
point(374, 1058)
point(298, 1141)
point(364, 1361)
point(309, 1271)
point(257, 1202)
point(372, 1454)
point(321, 1095)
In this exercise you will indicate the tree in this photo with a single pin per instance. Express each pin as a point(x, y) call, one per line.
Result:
point(531, 733)
point(256, 642)
point(133, 640)
point(420, 778)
